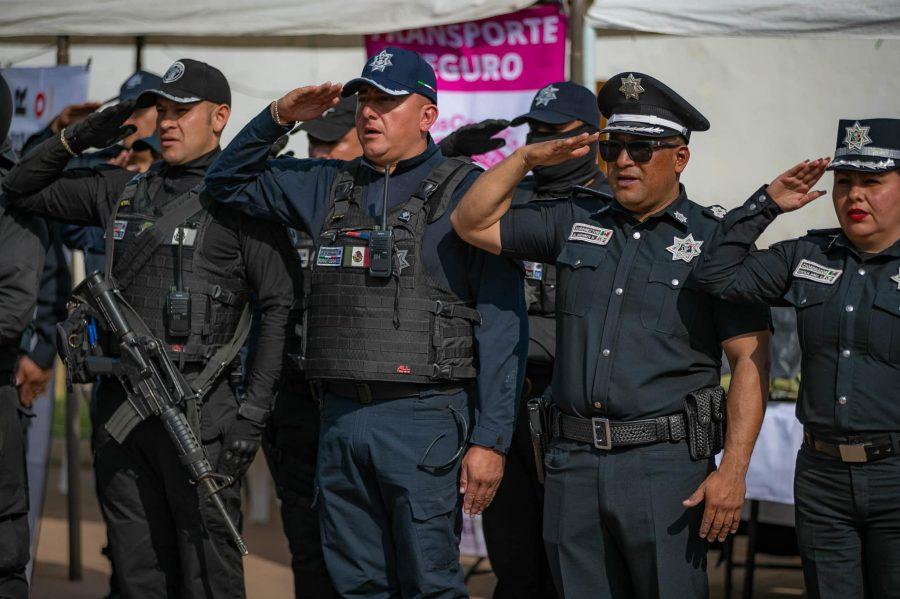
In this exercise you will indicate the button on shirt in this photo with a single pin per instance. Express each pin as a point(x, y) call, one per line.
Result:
point(632, 339)
point(848, 314)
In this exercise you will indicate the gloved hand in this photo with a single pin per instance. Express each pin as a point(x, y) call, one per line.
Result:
point(239, 447)
point(476, 138)
point(101, 129)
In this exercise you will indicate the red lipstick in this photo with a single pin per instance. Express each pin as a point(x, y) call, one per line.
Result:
point(857, 215)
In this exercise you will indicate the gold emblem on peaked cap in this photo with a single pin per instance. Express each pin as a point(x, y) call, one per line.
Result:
point(631, 87)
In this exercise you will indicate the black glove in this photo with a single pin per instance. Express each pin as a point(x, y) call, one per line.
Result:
point(473, 139)
point(239, 447)
point(101, 129)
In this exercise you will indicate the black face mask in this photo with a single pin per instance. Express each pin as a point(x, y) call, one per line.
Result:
point(562, 177)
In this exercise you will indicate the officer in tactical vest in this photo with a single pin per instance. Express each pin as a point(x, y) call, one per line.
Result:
point(23, 241)
point(513, 522)
point(415, 340)
point(637, 412)
point(292, 436)
point(187, 267)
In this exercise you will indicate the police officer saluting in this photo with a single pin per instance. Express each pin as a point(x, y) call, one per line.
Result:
point(513, 522)
point(845, 285)
point(414, 336)
point(638, 354)
point(191, 288)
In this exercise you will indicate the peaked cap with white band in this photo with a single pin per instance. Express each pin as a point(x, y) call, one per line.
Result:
point(641, 105)
point(867, 145)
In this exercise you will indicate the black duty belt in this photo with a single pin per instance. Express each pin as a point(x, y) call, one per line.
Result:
point(603, 433)
point(367, 392)
point(861, 449)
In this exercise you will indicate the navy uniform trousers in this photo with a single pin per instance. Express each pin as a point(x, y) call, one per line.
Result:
point(165, 539)
point(14, 548)
point(388, 494)
point(848, 526)
point(614, 525)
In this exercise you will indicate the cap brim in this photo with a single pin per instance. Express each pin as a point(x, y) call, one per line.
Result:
point(325, 131)
point(863, 164)
point(549, 117)
point(148, 98)
point(354, 85)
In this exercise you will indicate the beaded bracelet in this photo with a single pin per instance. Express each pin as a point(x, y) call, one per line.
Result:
point(65, 142)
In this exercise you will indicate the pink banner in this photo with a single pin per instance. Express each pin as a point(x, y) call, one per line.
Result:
point(520, 51)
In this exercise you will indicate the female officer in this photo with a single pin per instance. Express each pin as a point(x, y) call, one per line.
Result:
point(845, 285)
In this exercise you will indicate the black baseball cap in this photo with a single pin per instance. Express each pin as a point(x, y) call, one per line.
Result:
point(396, 72)
point(335, 123)
point(562, 102)
point(138, 83)
point(642, 105)
point(189, 81)
point(867, 146)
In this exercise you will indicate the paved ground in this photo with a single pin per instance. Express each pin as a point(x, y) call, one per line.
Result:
point(267, 571)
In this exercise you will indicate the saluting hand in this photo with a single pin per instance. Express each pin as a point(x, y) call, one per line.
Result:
point(308, 102)
point(791, 190)
point(557, 151)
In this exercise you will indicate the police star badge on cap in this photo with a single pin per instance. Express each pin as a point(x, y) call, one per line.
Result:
point(867, 145)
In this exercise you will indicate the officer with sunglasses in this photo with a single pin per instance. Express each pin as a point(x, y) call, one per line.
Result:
point(631, 496)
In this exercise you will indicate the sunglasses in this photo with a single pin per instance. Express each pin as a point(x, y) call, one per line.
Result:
point(639, 150)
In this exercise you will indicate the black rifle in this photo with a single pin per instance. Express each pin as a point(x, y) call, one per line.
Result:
point(154, 388)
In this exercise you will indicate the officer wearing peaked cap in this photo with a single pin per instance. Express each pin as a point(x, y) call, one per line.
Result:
point(513, 525)
point(845, 286)
point(637, 413)
point(411, 332)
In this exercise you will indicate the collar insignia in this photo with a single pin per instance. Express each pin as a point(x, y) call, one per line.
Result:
point(631, 87)
point(546, 95)
point(405, 216)
point(381, 61)
point(680, 218)
point(809, 270)
point(718, 211)
point(857, 136)
point(896, 278)
point(685, 249)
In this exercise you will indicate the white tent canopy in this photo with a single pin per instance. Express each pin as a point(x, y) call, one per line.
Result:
point(815, 18)
point(238, 17)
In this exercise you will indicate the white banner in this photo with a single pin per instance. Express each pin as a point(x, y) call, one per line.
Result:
point(39, 94)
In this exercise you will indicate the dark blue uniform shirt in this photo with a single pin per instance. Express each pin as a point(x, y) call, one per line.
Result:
point(848, 314)
point(297, 194)
point(631, 340)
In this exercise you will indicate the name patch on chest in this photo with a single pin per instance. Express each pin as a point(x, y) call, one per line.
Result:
point(330, 256)
point(807, 269)
point(590, 234)
point(184, 236)
point(119, 227)
point(534, 270)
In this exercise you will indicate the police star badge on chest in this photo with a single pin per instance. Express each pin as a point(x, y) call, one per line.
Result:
point(685, 249)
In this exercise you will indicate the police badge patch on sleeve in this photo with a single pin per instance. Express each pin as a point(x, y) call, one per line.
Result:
point(330, 256)
point(590, 234)
point(534, 270)
point(807, 269)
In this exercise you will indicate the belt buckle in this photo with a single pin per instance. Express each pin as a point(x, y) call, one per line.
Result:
point(602, 433)
point(854, 453)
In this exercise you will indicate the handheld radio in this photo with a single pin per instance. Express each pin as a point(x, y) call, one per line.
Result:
point(178, 300)
point(381, 241)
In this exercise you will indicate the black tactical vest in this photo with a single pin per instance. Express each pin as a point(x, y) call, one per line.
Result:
point(217, 299)
point(404, 328)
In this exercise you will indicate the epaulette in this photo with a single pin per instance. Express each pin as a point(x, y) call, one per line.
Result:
point(715, 211)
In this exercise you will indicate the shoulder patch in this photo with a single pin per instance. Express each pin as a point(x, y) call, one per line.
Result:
point(590, 234)
point(715, 211)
